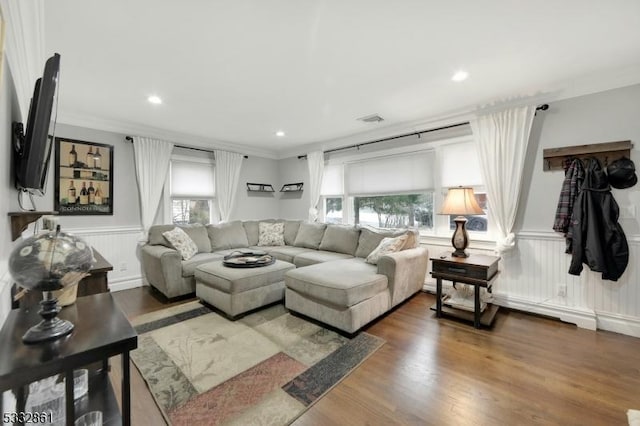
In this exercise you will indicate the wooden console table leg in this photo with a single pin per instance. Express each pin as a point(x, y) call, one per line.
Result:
point(438, 297)
point(476, 310)
point(126, 393)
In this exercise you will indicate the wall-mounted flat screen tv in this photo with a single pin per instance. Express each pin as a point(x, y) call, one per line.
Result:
point(32, 146)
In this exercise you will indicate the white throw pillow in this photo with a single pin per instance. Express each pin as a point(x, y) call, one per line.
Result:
point(386, 246)
point(271, 234)
point(182, 242)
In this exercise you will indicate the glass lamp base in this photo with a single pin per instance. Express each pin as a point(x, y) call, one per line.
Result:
point(460, 238)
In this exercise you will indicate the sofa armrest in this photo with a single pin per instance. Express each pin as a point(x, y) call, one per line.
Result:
point(406, 271)
point(162, 266)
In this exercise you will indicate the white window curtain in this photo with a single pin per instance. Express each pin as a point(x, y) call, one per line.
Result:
point(227, 175)
point(152, 158)
point(405, 173)
point(190, 179)
point(24, 46)
point(333, 180)
point(315, 162)
point(501, 140)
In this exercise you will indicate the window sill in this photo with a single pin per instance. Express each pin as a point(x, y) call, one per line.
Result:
point(445, 241)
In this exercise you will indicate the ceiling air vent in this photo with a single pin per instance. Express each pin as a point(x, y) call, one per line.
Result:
point(373, 118)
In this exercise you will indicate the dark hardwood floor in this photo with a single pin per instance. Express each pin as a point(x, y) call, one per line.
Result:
point(525, 370)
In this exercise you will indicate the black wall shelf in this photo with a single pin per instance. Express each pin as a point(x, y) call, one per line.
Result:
point(292, 187)
point(259, 187)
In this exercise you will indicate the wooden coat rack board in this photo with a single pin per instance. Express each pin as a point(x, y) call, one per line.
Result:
point(554, 158)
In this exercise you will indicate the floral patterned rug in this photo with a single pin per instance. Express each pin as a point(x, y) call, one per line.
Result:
point(266, 368)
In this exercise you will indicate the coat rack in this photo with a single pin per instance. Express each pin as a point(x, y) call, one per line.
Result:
point(607, 152)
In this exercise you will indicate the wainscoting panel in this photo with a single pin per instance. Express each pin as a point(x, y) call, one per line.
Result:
point(118, 246)
point(534, 275)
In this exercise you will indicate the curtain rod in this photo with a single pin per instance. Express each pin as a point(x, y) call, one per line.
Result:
point(542, 107)
point(130, 139)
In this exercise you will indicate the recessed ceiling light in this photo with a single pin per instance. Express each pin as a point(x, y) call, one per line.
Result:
point(154, 99)
point(460, 76)
point(279, 133)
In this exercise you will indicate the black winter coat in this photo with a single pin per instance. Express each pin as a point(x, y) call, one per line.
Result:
point(598, 238)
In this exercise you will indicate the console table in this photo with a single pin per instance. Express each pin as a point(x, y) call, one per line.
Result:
point(101, 331)
point(476, 270)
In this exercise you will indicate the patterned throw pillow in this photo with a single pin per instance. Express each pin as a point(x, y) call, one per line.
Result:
point(182, 242)
point(386, 246)
point(271, 234)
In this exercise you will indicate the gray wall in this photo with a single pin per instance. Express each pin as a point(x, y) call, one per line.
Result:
point(8, 112)
point(126, 204)
point(257, 205)
point(296, 204)
point(608, 116)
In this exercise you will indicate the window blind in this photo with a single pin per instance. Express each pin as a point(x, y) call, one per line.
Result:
point(191, 179)
point(406, 173)
point(333, 180)
point(459, 165)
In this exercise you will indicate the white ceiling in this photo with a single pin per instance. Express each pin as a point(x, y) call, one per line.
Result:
point(237, 71)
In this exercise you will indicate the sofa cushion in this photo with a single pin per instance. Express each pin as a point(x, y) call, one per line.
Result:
point(341, 283)
point(182, 242)
point(271, 234)
point(291, 228)
point(310, 235)
point(227, 235)
point(251, 227)
point(317, 256)
point(370, 239)
point(189, 266)
point(197, 232)
point(388, 245)
point(285, 253)
point(340, 239)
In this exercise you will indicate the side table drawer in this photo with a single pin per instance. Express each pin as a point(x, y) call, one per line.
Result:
point(464, 270)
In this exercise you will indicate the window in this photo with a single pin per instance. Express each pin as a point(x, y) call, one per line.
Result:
point(395, 211)
point(332, 193)
point(451, 156)
point(191, 190)
point(392, 191)
point(477, 223)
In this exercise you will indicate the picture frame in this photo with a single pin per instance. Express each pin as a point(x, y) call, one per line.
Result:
point(84, 172)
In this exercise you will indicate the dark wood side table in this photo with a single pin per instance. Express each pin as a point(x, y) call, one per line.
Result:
point(101, 331)
point(96, 282)
point(476, 270)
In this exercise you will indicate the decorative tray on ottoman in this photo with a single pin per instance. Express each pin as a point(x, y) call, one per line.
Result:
point(248, 259)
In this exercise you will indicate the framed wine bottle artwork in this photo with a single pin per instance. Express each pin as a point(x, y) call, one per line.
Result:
point(84, 178)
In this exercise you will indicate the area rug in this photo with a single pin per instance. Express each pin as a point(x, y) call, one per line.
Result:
point(266, 368)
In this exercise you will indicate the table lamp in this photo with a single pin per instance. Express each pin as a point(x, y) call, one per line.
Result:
point(460, 201)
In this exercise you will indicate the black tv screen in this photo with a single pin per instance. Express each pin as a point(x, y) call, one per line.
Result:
point(33, 148)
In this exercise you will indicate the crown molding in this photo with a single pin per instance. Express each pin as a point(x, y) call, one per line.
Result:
point(133, 129)
point(558, 91)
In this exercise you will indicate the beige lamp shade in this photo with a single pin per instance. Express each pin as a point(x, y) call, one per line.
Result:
point(461, 201)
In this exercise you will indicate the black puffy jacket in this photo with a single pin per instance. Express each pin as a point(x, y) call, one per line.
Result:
point(598, 238)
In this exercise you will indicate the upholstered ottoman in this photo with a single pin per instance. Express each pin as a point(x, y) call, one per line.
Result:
point(238, 290)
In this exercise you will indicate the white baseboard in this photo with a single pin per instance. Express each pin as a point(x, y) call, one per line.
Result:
point(583, 318)
point(619, 323)
point(125, 283)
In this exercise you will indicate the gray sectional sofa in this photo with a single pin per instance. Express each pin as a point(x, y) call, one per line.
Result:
point(320, 271)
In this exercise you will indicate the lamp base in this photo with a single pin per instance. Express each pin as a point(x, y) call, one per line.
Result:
point(51, 327)
point(460, 238)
